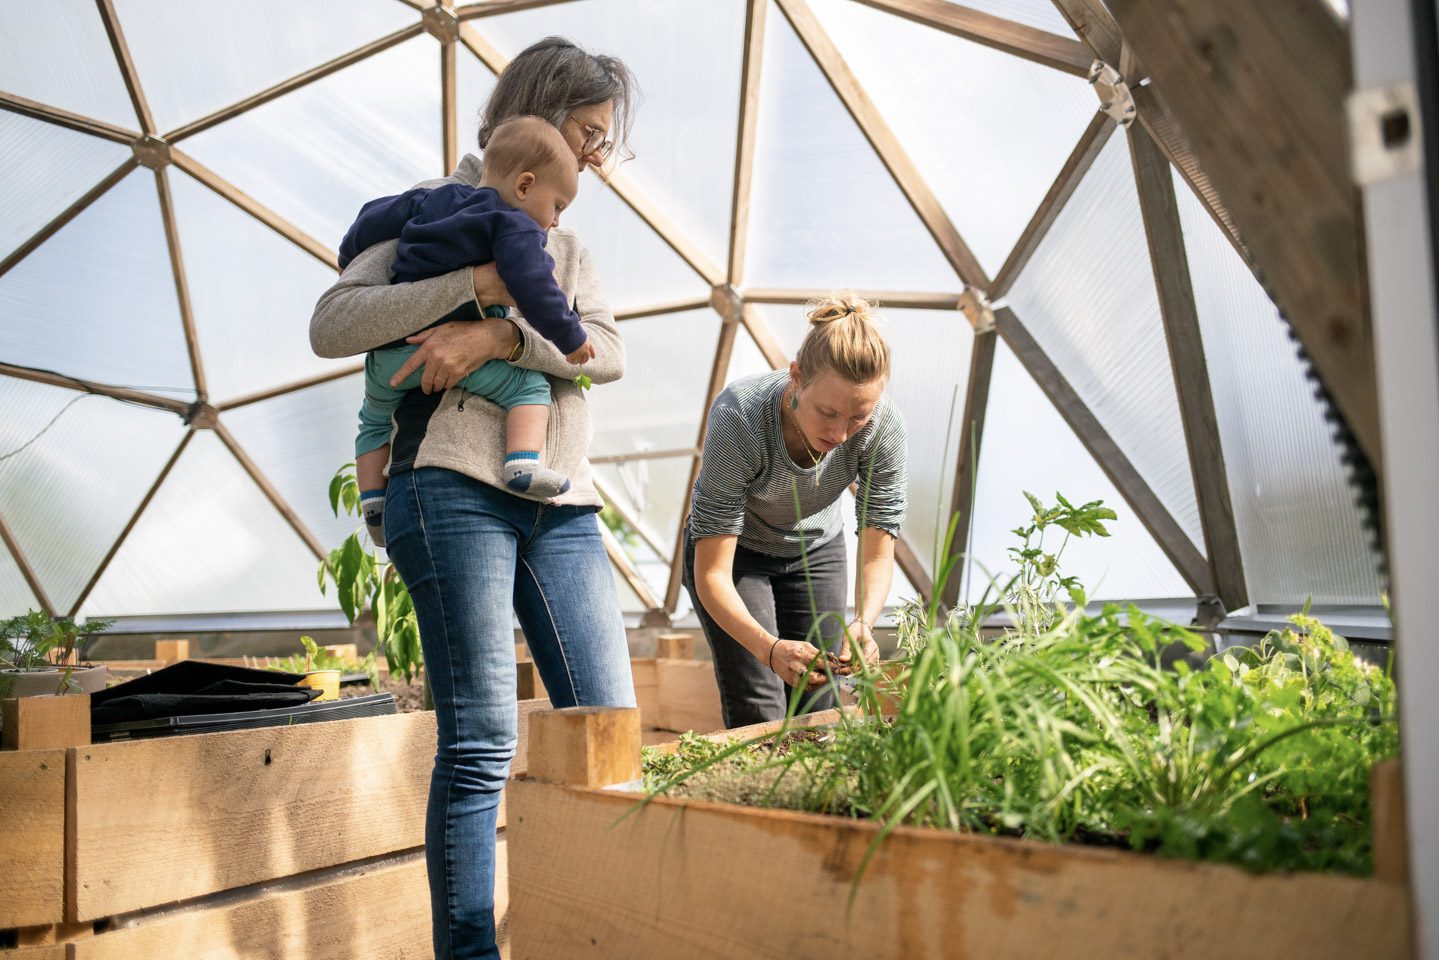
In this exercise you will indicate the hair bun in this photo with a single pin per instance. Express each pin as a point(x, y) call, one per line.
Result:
point(838, 306)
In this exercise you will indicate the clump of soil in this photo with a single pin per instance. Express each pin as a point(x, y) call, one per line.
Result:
point(409, 697)
point(750, 777)
point(840, 668)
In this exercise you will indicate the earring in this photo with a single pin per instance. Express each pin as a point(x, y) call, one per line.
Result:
point(793, 402)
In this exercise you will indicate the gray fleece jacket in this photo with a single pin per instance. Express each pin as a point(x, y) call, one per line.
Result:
point(363, 310)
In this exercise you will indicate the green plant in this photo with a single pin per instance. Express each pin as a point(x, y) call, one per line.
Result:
point(36, 640)
point(361, 579)
point(317, 657)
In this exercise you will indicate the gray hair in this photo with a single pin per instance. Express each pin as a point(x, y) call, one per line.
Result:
point(551, 78)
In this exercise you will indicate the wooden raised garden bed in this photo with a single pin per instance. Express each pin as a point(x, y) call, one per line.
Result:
point(593, 875)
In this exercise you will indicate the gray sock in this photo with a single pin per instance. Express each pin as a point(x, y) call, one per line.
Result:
point(525, 475)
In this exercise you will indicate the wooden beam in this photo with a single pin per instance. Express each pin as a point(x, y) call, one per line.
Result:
point(626, 567)
point(913, 568)
point(764, 339)
point(585, 746)
point(898, 299)
point(906, 175)
point(1191, 369)
point(271, 494)
point(449, 114)
point(127, 65)
point(7, 536)
point(655, 309)
point(966, 463)
point(617, 504)
point(1147, 506)
point(293, 386)
point(66, 215)
point(294, 83)
point(1030, 43)
point(616, 180)
point(1086, 151)
point(255, 209)
point(637, 455)
point(1259, 91)
point(719, 370)
point(754, 23)
point(490, 8)
point(126, 394)
point(46, 723)
point(32, 832)
point(182, 283)
point(130, 525)
point(64, 118)
point(1096, 27)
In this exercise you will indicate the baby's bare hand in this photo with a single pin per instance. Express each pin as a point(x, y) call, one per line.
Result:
point(584, 354)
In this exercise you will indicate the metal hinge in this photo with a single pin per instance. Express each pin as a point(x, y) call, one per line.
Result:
point(977, 310)
point(1114, 96)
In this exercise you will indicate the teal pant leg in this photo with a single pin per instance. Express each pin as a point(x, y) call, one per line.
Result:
point(508, 386)
point(381, 399)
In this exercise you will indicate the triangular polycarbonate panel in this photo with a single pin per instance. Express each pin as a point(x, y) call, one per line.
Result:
point(1088, 298)
point(991, 143)
point(657, 405)
point(45, 168)
point(1040, 14)
point(15, 594)
point(317, 154)
point(210, 542)
point(194, 59)
point(652, 491)
point(473, 85)
point(69, 493)
point(929, 358)
point(1027, 446)
point(900, 589)
point(687, 59)
point(746, 359)
point(824, 211)
point(1300, 532)
point(59, 54)
point(298, 440)
point(251, 312)
point(97, 300)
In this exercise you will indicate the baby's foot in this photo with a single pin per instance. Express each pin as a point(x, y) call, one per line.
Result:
point(372, 505)
point(523, 474)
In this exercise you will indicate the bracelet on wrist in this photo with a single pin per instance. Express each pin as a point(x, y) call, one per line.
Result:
point(515, 353)
point(771, 654)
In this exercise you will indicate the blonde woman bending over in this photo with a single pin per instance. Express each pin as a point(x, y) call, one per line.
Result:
point(765, 561)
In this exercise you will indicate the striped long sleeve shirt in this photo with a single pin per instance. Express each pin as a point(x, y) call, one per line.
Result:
point(750, 487)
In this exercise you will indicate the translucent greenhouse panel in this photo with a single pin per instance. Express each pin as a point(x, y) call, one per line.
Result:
point(208, 543)
point(59, 54)
point(745, 360)
point(473, 84)
point(990, 136)
point(653, 492)
point(930, 352)
point(251, 312)
point(43, 169)
point(194, 59)
point(1088, 297)
point(659, 403)
point(1041, 14)
point(15, 594)
point(686, 55)
point(68, 495)
point(900, 590)
point(319, 153)
point(824, 211)
point(120, 326)
point(1028, 446)
point(1299, 530)
point(298, 440)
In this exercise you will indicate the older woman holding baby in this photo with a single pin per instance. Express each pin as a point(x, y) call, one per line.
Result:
point(765, 559)
point(470, 547)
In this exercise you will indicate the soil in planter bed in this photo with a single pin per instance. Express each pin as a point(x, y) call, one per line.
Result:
point(409, 697)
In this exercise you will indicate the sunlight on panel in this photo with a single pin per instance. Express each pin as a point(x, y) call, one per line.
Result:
point(58, 53)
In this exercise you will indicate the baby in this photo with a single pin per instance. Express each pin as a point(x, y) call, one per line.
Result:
point(530, 177)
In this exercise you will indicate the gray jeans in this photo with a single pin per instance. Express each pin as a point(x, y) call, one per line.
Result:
point(777, 593)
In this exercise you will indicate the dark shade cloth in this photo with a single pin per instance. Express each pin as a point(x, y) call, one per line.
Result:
point(194, 687)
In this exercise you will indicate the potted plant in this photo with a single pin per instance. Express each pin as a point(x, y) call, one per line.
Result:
point(36, 650)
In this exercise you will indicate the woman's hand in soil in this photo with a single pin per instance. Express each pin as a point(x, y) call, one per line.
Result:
point(792, 660)
point(452, 351)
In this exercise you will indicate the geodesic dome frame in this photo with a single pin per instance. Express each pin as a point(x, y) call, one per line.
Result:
point(1050, 287)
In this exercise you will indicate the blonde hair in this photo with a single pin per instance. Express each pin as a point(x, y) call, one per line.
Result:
point(843, 337)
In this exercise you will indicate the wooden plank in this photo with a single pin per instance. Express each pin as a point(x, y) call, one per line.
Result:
point(7, 537)
point(594, 875)
point(585, 746)
point(1191, 369)
point(657, 309)
point(1391, 837)
point(1095, 26)
point(1085, 152)
point(966, 461)
point(169, 651)
point(46, 723)
point(913, 568)
point(162, 820)
point(647, 690)
point(754, 23)
point(675, 646)
point(627, 570)
point(449, 114)
point(291, 387)
point(529, 685)
point(335, 919)
point(127, 65)
point(688, 696)
point(490, 8)
point(1259, 91)
point(182, 283)
point(1030, 43)
point(52, 934)
point(89, 386)
point(66, 215)
point(64, 118)
point(32, 834)
point(886, 144)
point(54, 951)
point(907, 299)
point(1162, 526)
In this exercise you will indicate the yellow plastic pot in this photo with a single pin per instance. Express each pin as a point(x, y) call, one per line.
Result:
point(326, 681)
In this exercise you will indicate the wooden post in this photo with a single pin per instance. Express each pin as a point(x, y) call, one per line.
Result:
point(46, 723)
point(528, 685)
point(170, 651)
point(675, 646)
point(345, 651)
point(1386, 802)
point(585, 746)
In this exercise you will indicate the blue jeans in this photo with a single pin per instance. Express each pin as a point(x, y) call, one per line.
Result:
point(470, 553)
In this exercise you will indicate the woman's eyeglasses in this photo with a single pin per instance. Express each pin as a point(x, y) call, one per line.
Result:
point(595, 140)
